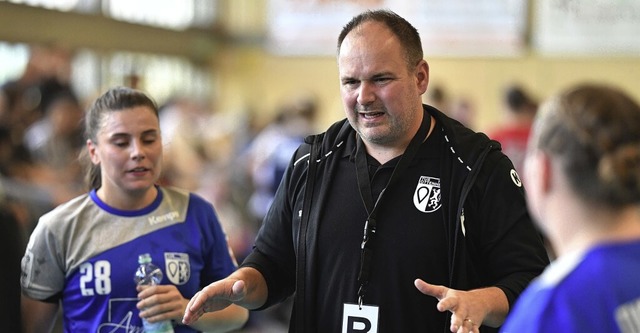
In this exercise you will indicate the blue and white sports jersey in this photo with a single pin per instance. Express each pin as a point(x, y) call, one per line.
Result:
point(85, 253)
point(596, 291)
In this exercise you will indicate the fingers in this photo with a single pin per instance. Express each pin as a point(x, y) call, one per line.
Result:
point(450, 303)
point(152, 316)
point(439, 292)
point(462, 321)
point(215, 296)
point(195, 308)
point(465, 326)
point(460, 316)
point(459, 303)
point(161, 303)
point(436, 291)
point(198, 303)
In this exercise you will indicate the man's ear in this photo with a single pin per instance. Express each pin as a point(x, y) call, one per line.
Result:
point(422, 76)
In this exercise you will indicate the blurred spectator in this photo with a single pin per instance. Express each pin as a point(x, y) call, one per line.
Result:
point(56, 139)
point(198, 140)
point(28, 185)
point(47, 71)
point(271, 150)
point(185, 123)
point(513, 133)
point(460, 108)
point(437, 97)
point(463, 110)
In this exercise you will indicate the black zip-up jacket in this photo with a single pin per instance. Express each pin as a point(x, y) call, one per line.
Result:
point(483, 250)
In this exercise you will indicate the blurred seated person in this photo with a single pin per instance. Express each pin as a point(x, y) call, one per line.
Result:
point(513, 132)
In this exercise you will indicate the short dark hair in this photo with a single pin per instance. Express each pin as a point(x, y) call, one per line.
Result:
point(401, 28)
point(517, 99)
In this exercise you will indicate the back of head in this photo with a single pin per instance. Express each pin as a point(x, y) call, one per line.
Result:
point(594, 132)
point(401, 28)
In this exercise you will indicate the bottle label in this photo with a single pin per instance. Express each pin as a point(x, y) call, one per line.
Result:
point(160, 327)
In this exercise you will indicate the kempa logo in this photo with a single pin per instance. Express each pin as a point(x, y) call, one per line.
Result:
point(178, 268)
point(427, 197)
point(163, 218)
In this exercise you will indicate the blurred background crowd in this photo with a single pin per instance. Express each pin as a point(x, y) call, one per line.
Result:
point(234, 107)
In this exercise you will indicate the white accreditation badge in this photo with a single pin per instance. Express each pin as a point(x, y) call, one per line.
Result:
point(360, 319)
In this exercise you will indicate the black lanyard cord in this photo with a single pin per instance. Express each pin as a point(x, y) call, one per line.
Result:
point(364, 185)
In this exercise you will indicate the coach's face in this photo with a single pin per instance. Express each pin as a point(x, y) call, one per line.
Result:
point(381, 95)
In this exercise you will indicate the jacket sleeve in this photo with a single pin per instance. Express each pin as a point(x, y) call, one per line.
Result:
point(273, 253)
point(506, 247)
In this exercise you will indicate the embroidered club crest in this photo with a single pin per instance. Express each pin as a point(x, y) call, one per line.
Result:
point(178, 268)
point(427, 197)
point(515, 178)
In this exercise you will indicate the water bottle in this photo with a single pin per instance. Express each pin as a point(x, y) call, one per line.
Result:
point(149, 274)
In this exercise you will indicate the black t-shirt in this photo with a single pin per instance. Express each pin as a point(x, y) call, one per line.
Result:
point(410, 243)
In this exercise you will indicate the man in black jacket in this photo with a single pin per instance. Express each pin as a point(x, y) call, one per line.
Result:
point(437, 202)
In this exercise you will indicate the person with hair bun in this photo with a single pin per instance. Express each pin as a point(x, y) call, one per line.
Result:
point(582, 173)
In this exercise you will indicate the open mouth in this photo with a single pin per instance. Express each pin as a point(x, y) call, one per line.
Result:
point(371, 115)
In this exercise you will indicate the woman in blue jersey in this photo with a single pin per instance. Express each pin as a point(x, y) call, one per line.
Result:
point(582, 173)
point(82, 256)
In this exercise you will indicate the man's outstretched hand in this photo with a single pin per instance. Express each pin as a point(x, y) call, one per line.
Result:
point(214, 297)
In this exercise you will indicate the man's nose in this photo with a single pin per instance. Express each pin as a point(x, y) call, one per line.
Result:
point(366, 94)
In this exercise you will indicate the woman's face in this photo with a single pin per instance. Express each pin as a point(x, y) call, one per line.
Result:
point(129, 152)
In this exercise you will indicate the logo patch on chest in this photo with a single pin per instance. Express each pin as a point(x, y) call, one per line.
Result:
point(178, 268)
point(427, 197)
